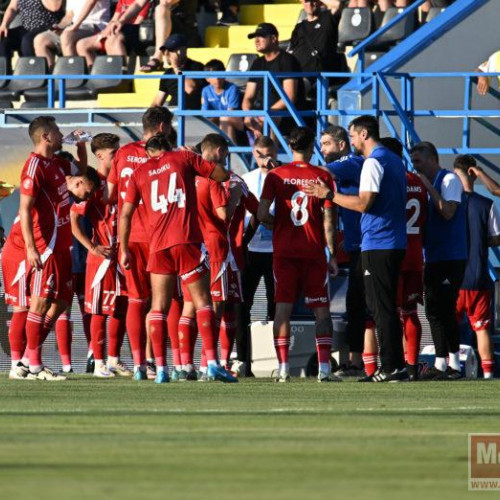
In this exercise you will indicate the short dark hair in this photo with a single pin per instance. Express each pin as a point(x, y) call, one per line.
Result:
point(393, 144)
point(337, 133)
point(426, 148)
point(213, 141)
point(158, 142)
point(40, 125)
point(301, 139)
point(104, 141)
point(368, 123)
point(264, 141)
point(154, 117)
point(65, 155)
point(464, 162)
point(91, 175)
point(215, 65)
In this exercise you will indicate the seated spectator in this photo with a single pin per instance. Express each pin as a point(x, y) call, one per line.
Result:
point(175, 51)
point(110, 43)
point(492, 65)
point(221, 95)
point(82, 19)
point(36, 16)
point(274, 60)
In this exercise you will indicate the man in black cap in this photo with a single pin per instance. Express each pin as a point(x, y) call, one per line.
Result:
point(274, 60)
point(175, 52)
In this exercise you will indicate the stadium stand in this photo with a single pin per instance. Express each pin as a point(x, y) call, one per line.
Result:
point(25, 66)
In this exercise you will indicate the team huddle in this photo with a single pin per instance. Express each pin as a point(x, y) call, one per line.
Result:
point(167, 247)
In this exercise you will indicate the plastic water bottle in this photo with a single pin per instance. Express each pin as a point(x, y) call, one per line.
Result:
point(77, 136)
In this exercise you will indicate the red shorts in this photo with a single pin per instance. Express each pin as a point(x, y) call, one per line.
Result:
point(15, 293)
point(225, 283)
point(108, 285)
point(477, 305)
point(137, 277)
point(186, 261)
point(309, 276)
point(55, 280)
point(410, 289)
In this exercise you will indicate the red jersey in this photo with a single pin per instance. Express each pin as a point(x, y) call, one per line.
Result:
point(248, 202)
point(102, 216)
point(298, 221)
point(211, 195)
point(43, 179)
point(123, 5)
point(126, 160)
point(166, 184)
point(416, 215)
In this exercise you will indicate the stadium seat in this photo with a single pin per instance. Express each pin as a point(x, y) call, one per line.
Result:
point(103, 65)
point(25, 66)
point(399, 31)
point(434, 12)
point(6, 104)
point(355, 25)
point(3, 71)
point(371, 57)
point(63, 66)
point(240, 62)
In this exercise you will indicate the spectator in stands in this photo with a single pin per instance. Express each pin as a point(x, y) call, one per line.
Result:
point(492, 65)
point(229, 9)
point(83, 19)
point(36, 16)
point(109, 42)
point(445, 255)
point(175, 50)
point(274, 60)
point(483, 231)
point(221, 95)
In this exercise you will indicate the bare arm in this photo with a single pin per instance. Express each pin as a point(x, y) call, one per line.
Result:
point(330, 228)
point(81, 152)
point(81, 236)
point(129, 14)
point(290, 88)
point(222, 213)
point(127, 211)
point(445, 208)
point(8, 17)
point(263, 213)
point(159, 99)
point(249, 96)
point(26, 220)
point(492, 186)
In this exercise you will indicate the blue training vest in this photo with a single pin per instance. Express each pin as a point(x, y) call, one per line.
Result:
point(445, 239)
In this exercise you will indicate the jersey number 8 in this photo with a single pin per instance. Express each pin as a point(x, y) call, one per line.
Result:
point(299, 213)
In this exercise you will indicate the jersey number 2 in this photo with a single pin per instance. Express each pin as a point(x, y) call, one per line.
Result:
point(411, 227)
point(174, 195)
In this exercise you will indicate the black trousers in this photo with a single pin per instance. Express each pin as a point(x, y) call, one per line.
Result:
point(380, 272)
point(259, 264)
point(20, 40)
point(442, 281)
point(355, 303)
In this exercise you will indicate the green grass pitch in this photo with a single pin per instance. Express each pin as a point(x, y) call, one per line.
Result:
point(89, 438)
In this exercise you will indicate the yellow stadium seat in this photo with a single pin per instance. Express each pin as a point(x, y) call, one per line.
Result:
point(284, 14)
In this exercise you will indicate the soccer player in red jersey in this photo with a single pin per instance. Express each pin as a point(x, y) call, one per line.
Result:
point(36, 259)
point(166, 184)
point(129, 157)
point(105, 292)
point(303, 226)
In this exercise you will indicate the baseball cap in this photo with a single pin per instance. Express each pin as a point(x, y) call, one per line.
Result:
point(174, 42)
point(264, 29)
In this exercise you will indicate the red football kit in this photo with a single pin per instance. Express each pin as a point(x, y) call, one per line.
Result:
point(410, 286)
point(104, 281)
point(42, 179)
point(166, 185)
point(298, 235)
point(126, 160)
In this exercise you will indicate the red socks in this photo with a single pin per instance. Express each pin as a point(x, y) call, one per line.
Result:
point(173, 319)
point(206, 320)
point(488, 365)
point(116, 332)
point(136, 328)
point(17, 335)
point(98, 335)
point(64, 337)
point(35, 334)
point(158, 335)
point(324, 347)
point(282, 345)
point(227, 335)
point(370, 362)
point(413, 333)
point(184, 333)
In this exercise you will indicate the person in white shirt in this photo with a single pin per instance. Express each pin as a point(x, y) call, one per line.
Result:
point(492, 65)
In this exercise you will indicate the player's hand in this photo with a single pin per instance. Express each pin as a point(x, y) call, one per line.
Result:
point(102, 251)
point(483, 85)
point(318, 189)
point(125, 259)
point(333, 267)
point(34, 259)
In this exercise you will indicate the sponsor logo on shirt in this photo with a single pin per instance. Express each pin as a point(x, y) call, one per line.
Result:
point(27, 183)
